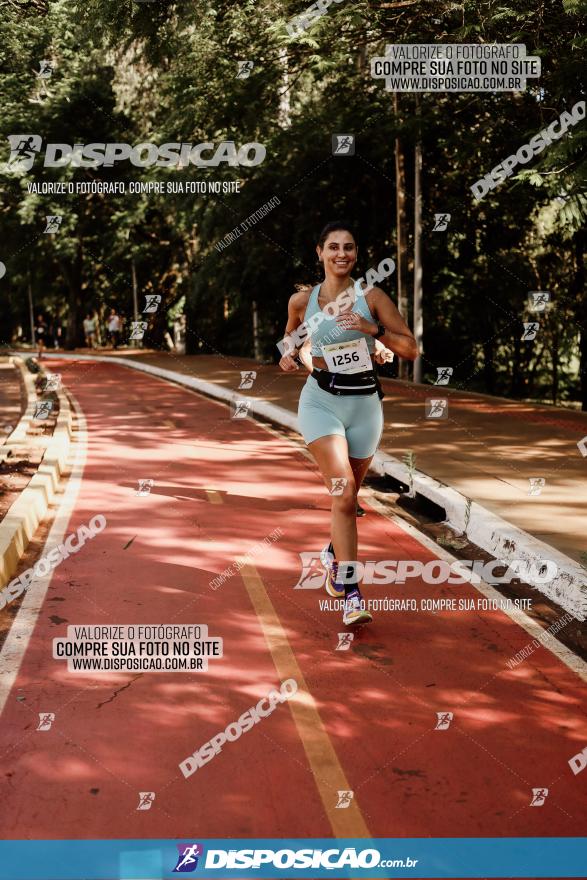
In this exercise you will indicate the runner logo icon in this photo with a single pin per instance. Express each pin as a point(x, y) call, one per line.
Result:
point(46, 719)
point(146, 799)
point(144, 488)
point(441, 222)
point(343, 145)
point(43, 410)
point(138, 329)
point(187, 861)
point(436, 409)
point(338, 485)
point(531, 329)
point(444, 375)
point(241, 409)
point(539, 795)
point(45, 70)
point(244, 69)
point(444, 719)
point(52, 382)
point(536, 485)
point(344, 641)
point(313, 575)
point(247, 379)
point(538, 300)
point(23, 149)
point(344, 800)
point(53, 223)
point(152, 302)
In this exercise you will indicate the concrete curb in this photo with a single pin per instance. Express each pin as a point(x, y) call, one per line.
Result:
point(502, 540)
point(483, 528)
point(18, 434)
point(23, 517)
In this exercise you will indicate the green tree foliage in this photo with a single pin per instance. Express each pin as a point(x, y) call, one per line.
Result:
point(165, 72)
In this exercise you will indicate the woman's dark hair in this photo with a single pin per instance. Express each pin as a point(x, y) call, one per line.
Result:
point(335, 226)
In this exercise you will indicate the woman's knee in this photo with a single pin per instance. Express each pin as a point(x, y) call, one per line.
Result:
point(345, 502)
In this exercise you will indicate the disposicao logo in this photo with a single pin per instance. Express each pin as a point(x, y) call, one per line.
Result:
point(25, 147)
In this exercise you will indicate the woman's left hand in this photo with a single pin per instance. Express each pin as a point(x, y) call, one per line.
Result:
point(383, 355)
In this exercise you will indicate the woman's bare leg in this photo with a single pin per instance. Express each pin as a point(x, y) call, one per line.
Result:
point(332, 457)
point(359, 467)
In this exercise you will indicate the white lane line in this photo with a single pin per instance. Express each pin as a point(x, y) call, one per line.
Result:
point(552, 644)
point(18, 639)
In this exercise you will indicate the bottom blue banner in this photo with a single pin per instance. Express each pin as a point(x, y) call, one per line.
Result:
point(529, 857)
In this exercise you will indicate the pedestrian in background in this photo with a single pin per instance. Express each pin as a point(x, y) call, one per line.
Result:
point(41, 333)
point(90, 331)
point(114, 328)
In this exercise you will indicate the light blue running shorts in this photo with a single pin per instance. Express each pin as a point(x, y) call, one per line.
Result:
point(358, 417)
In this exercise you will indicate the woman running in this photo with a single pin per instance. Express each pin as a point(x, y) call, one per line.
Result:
point(340, 413)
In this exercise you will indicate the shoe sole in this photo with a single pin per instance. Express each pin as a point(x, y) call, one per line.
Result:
point(336, 594)
point(361, 617)
point(328, 585)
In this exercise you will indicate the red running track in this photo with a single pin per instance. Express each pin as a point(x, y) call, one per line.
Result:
point(221, 486)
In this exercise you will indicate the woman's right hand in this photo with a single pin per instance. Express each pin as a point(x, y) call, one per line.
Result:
point(288, 364)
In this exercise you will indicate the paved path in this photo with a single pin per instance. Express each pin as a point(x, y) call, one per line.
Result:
point(363, 719)
point(487, 449)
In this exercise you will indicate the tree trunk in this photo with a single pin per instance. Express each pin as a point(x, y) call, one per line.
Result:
point(488, 366)
point(256, 346)
point(284, 94)
point(577, 292)
point(73, 276)
point(31, 310)
point(555, 363)
point(418, 327)
point(516, 376)
point(401, 234)
point(531, 372)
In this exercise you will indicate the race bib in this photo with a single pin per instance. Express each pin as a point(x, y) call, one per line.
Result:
point(347, 357)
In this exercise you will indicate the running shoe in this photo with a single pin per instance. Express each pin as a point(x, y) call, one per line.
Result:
point(353, 612)
point(331, 567)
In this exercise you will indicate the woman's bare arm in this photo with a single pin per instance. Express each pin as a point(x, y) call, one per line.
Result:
point(291, 343)
point(305, 355)
point(398, 337)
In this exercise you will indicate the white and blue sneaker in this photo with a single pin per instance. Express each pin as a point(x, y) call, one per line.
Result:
point(354, 609)
point(331, 567)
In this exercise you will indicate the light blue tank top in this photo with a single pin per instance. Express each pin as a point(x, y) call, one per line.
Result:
point(326, 331)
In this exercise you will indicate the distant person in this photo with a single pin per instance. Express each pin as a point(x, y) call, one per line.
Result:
point(90, 331)
point(114, 324)
point(179, 331)
point(58, 337)
point(41, 335)
point(54, 334)
point(97, 330)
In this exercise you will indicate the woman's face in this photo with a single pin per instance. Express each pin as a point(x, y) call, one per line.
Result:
point(339, 253)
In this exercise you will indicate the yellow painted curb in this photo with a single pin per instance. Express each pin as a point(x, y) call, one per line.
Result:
point(18, 436)
point(30, 508)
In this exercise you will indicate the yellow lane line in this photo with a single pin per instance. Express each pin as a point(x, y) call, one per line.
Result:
point(328, 773)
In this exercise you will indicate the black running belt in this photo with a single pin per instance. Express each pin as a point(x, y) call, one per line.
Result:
point(348, 383)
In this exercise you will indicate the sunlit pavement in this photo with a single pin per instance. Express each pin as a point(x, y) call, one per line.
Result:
point(488, 448)
point(363, 720)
